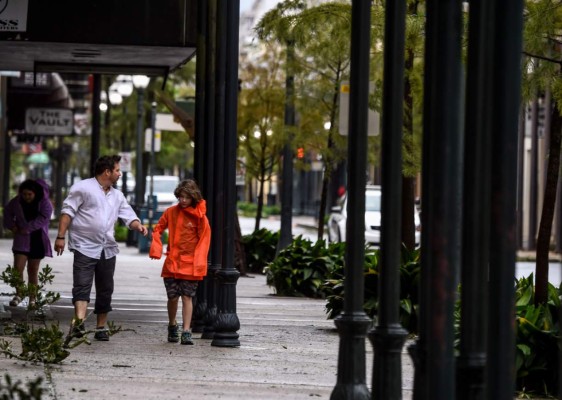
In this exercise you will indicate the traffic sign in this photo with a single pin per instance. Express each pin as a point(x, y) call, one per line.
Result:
point(126, 164)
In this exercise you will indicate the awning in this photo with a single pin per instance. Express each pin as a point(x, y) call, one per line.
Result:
point(29, 91)
point(38, 158)
point(102, 36)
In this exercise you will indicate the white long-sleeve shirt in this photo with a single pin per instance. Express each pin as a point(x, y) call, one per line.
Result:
point(93, 216)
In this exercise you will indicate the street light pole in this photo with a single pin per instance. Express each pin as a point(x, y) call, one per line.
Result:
point(138, 173)
point(151, 202)
point(140, 82)
point(124, 86)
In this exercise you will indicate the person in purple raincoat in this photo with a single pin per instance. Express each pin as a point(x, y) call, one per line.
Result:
point(27, 215)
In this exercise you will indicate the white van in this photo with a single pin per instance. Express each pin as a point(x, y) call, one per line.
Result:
point(164, 186)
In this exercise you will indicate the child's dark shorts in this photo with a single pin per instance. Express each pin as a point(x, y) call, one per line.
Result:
point(180, 287)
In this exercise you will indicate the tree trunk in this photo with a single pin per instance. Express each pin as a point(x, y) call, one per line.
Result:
point(239, 251)
point(547, 215)
point(408, 205)
point(408, 196)
point(328, 163)
point(324, 194)
point(260, 204)
point(323, 201)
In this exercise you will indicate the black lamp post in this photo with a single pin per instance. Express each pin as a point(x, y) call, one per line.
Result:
point(388, 336)
point(124, 87)
point(353, 323)
point(151, 203)
point(140, 82)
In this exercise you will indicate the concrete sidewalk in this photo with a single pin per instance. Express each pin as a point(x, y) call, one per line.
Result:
point(289, 350)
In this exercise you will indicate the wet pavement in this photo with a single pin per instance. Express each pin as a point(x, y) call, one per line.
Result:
point(288, 349)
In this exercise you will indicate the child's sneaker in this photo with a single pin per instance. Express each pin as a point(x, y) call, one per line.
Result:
point(186, 337)
point(173, 333)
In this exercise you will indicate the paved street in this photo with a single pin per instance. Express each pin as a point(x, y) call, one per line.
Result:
point(288, 348)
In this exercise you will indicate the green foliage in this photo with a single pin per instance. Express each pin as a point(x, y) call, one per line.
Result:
point(410, 273)
point(248, 209)
point(39, 344)
point(121, 232)
point(260, 248)
point(334, 286)
point(43, 298)
point(537, 339)
point(302, 267)
point(317, 270)
point(45, 343)
point(13, 390)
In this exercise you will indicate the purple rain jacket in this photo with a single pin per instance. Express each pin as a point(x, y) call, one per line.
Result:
point(13, 216)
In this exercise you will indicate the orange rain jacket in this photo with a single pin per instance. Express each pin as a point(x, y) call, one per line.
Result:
point(188, 242)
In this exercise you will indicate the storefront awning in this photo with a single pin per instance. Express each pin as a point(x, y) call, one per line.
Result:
point(102, 36)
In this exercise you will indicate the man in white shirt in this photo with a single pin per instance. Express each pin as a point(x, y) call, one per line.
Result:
point(89, 213)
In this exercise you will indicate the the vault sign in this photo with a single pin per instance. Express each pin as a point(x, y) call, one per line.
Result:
point(49, 121)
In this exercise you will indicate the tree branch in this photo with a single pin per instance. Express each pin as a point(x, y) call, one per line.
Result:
point(544, 58)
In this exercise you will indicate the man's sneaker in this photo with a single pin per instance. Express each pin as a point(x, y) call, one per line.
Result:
point(78, 330)
point(186, 338)
point(101, 334)
point(173, 333)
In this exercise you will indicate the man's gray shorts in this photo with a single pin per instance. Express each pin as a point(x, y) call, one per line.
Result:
point(84, 270)
point(180, 287)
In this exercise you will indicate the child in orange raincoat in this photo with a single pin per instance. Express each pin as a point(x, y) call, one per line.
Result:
point(189, 237)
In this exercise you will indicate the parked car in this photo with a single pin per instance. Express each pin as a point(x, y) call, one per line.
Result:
point(338, 219)
point(164, 186)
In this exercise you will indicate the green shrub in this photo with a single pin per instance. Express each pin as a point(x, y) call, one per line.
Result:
point(260, 248)
point(39, 344)
point(248, 209)
point(334, 286)
point(409, 281)
point(15, 390)
point(537, 339)
point(121, 232)
point(302, 268)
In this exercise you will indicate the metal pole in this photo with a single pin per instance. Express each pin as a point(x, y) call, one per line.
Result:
point(151, 202)
point(217, 223)
point(352, 324)
point(476, 205)
point(533, 192)
point(200, 307)
point(520, 176)
point(210, 156)
point(96, 97)
point(125, 148)
point(508, 27)
point(441, 216)
point(5, 153)
point(388, 337)
point(227, 323)
point(139, 193)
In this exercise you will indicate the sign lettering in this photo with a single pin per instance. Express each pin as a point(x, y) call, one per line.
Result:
point(13, 15)
point(49, 121)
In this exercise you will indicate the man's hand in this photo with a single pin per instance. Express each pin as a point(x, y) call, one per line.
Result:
point(136, 225)
point(59, 246)
point(142, 229)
